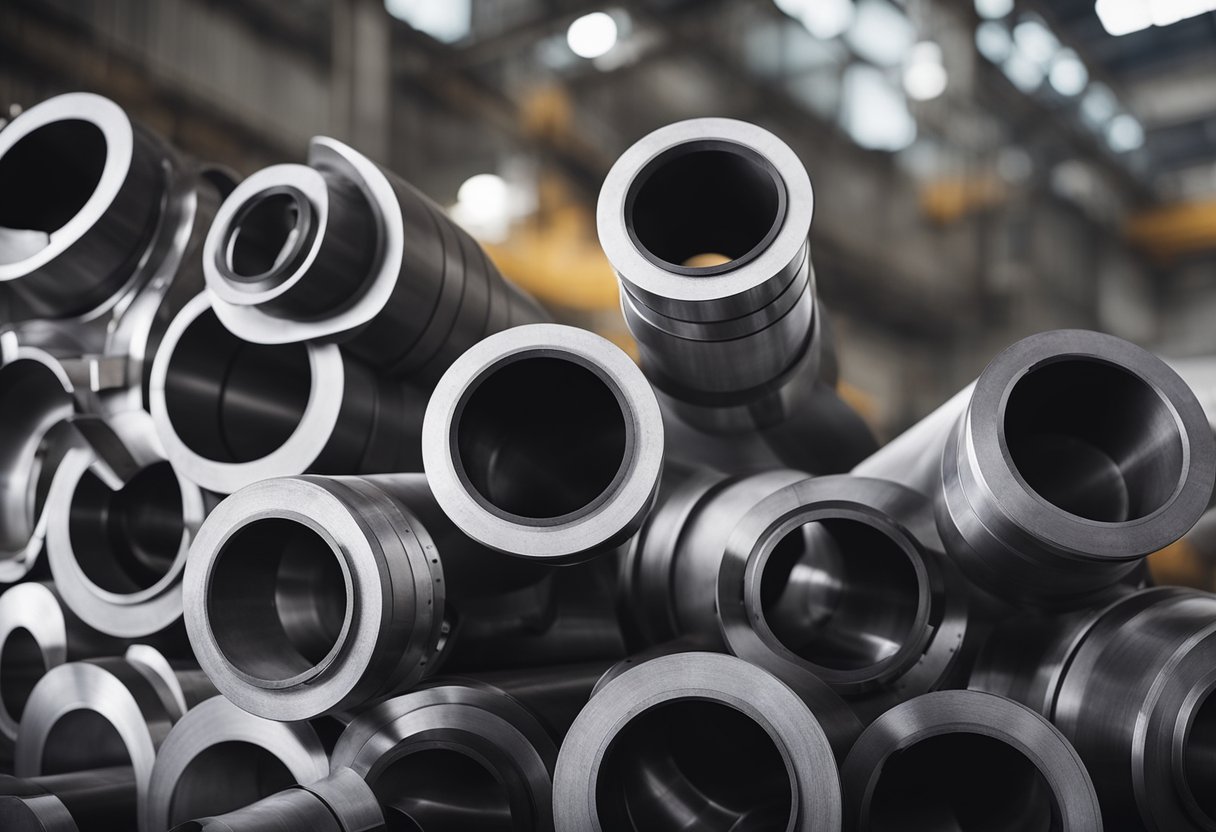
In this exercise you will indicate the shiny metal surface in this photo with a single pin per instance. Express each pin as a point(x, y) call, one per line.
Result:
point(230, 413)
point(735, 347)
point(219, 758)
point(1073, 456)
point(454, 758)
point(343, 250)
point(955, 760)
point(95, 800)
point(544, 442)
point(696, 740)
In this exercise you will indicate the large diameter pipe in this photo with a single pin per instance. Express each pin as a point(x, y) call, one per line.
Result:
point(342, 250)
point(696, 740)
point(962, 759)
point(544, 442)
point(706, 223)
point(120, 520)
point(230, 413)
point(454, 758)
point(1131, 687)
point(96, 800)
point(1071, 458)
point(311, 596)
point(219, 758)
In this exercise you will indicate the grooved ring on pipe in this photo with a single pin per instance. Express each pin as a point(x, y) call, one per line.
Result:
point(218, 758)
point(965, 759)
point(459, 734)
point(706, 711)
point(476, 424)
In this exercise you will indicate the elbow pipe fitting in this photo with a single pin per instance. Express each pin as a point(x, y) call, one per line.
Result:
point(962, 759)
point(230, 413)
point(342, 250)
point(97, 800)
point(1071, 458)
point(454, 757)
point(341, 802)
point(120, 520)
point(643, 755)
point(544, 442)
point(219, 758)
point(733, 346)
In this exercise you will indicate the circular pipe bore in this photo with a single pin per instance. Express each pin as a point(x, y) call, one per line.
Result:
point(544, 441)
point(696, 736)
point(219, 758)
point(966, 761)
point(284, 597)
point(454, 757)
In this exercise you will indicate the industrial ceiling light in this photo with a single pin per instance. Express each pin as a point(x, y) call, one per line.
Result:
point(1124, 134)
point(1068, 74)
point(924, 75)
point(592, 35)
point(1122, 17)
point(993, 9)
point(824, 19)
point(993, 41)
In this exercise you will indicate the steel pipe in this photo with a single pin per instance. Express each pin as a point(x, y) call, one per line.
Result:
point(96, 800)
point(311, 596)
point(341, 802)
point(544, 442)
point(962, 759)
point(454, 758)
point(219, 758)
point(706, 223)
point(1131, 686)
point(1071, 458)
point(230, 413)
point(696, 740)
point(37, 633)
point(343, 250)
point(120, 520)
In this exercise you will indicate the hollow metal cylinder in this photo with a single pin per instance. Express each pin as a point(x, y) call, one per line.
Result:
point(454, 757)
point(37, 633)
point(96, 800)
point(119, 523)
point(1071, 458)
point(230, 413)
point(219, 758)
point(963, 759)
point(706, 223)
point(1131, 686)
point(341, 802)
point(342, 250)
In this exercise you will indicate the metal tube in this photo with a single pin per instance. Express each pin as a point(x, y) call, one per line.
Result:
point(544, 442)
point(698, 740)
point(963, 759)
point(706, 222)
point(454, 758)
point(230, 413)
point(219, 758)
point(342, 250)
point(96, 800)
point(1071, 458)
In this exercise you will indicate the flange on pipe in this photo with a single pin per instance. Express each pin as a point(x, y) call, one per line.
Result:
point(451, 755)
point(696, 739)
point(342, 250)
point(544, 442)
point(1072, 457)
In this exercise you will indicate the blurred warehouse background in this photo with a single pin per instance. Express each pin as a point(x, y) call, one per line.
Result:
point(983, 168)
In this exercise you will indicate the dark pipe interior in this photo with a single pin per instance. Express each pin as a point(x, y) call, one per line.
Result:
point(962, 782)
point(712, 199)
point(444, 790)
point(840, 593)
point(49, 175)
point(83, 739)
point(541, 437)
point(1094, 440)
point(224, 777)
point(277, 599)
point(21, 666)
point(127, 540)
point(264, 234)
point(1200, 758)
point(232, 401)
point(693, 764)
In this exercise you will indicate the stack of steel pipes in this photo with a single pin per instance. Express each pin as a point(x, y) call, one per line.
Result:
point(309, 520)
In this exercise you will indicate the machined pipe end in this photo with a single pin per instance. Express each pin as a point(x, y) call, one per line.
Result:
point(544, 442)
point(285, 597)
point(33, 639)
point(219, 758)
point(967, 760)
point(697, 737)
point(447, 755)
